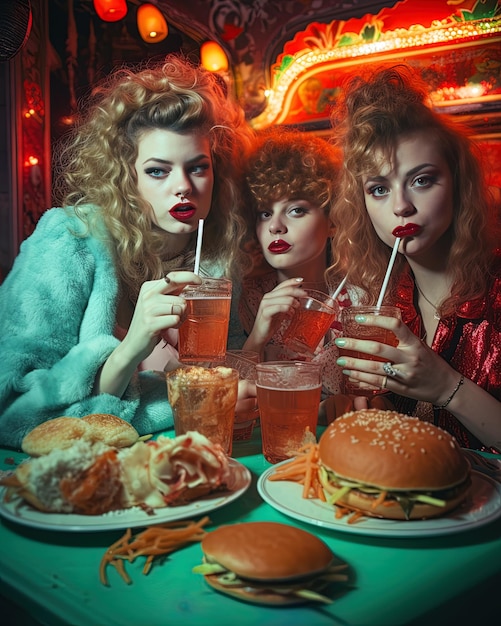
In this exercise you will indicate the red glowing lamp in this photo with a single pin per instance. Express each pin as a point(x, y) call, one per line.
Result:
point(111, 10)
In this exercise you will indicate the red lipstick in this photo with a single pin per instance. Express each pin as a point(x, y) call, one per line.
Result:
point(183, 211)
point(279, 246)
point(409, 230)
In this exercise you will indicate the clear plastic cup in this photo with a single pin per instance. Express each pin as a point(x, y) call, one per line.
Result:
point(351, 328)
point(204, 399)
point(203, 335)
point(288, 395)
point(310, 322)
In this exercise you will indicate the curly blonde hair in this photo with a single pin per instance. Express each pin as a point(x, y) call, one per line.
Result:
point(284, 163)
point(98, 177)
point(373, 114)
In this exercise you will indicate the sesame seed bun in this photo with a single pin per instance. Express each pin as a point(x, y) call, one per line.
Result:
point(401, 455)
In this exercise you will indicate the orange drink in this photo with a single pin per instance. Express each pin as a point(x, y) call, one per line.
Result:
point(204, 399)
point(204, 333)
point(288, 395)
point(310, 321)
point(351, 328)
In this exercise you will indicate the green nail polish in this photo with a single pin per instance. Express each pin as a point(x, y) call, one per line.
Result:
point(341, 362)
point(360, 319)
point(340, 342)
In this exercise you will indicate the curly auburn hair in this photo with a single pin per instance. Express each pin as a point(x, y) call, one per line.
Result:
point(289, 164)
point(98, 176)
point(369, 120)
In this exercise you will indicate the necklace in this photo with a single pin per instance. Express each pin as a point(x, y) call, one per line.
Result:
point(435, 314)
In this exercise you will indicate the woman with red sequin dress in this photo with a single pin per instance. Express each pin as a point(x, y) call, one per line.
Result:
point(410, 173)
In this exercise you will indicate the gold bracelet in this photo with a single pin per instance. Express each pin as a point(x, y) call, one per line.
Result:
point(442, 406)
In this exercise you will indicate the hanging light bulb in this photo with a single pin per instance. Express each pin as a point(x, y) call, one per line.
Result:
point(151, 23)
point(213, 57)
point(111, 10)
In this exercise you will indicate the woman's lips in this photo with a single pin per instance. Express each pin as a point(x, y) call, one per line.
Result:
point(279, 247)
point(409, 230)
point(183, 212)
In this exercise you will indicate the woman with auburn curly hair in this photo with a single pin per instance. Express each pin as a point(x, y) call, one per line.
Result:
point(291, 183)
point(409, 169)
point(98, 284)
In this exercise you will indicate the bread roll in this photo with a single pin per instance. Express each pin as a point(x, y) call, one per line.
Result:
point(62, 432)
point(111, 430)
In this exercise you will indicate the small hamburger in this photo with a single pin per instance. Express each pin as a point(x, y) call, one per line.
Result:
point(385, 464)
point(268, 563)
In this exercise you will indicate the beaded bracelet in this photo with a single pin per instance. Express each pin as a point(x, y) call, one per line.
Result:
point(442, 406)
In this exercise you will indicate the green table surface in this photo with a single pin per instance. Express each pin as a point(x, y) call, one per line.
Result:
point(54, 576)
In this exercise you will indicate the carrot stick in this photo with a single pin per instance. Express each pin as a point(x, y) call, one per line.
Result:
point(152, 542)
point(303, 469)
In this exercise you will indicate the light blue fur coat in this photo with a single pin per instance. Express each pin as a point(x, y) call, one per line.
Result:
point(57, 317)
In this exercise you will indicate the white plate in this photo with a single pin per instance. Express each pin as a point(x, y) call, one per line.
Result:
point(482, 506)
point(22, 513)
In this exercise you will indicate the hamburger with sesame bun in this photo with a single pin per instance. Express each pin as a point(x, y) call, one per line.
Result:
point(269, 563)
point(389, 465)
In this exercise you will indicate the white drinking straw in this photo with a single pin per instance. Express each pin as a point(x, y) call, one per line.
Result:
point(199, 245)
point(388, 272)
point(338, 290)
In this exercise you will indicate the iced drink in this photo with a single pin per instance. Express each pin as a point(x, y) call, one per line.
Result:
point(204, 399)
point(288, 395)
point(310, 322)
point(351, 328)
point(204, 333)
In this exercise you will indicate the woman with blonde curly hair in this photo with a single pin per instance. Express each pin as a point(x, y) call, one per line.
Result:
point(409, 170)
point(291, 182)
point(98, 284)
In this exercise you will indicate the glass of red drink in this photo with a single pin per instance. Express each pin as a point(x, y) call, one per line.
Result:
point(351, 328)
point(310, 322)
point(204, 333)
point(288, 396)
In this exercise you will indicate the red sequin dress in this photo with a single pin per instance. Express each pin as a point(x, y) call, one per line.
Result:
point(470, 341)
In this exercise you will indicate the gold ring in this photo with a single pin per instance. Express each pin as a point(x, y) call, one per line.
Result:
point(383, 385)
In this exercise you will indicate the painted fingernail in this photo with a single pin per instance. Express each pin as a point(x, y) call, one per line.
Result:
point(341, 362)
point(299, 280)
point(360, 319)
point(340, 342)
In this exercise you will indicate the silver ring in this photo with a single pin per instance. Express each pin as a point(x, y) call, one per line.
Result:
point(167, 279)
point(390, 370)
